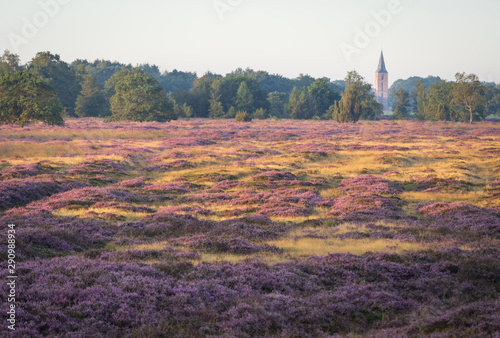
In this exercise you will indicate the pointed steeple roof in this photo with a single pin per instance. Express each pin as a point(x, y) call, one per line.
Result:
point(381, 64)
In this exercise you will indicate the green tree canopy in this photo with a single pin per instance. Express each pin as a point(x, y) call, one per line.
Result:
point(91, 101)
point(322, 96)
point(439, 102)
point(277, 104)
point(110, 85)
point(59, 75)
point(201, 94)
point(298, 107)
point(469, 96)
point(10, 63)
point(228, 91)
point(244, 98)
point(401, 105)
point(493, 104)
point(139, 97)
point(409, 84)
point(357, 101)
point(26, 97)
point(102, 70)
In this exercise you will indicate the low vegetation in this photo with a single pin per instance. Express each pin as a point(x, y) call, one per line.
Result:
point(265, 228)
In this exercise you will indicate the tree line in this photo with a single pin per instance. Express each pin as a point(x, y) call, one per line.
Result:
point(48, 89)
point(466, 99)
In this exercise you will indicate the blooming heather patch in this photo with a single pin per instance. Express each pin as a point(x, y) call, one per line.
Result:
point(209, 198)
point(320, 296)
point(284, 210)
point(84, 197)
point(15, 193)
point(370, 185)
point(233, 245)
point(184, 142)
point(225, 185)
point(463, 216)
point(372, 207)
point(97, 167)
point(24, 171)
point(283, 195)
point(273, 176)
point(122, 268)
point(167, 188)
point(43, 235)
point(135, 183)
point(434, 184)
point(165, 254)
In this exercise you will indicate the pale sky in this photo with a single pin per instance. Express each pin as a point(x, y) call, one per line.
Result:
point(322, 38)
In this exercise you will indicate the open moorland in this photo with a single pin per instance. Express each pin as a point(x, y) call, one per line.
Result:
point(269, 228)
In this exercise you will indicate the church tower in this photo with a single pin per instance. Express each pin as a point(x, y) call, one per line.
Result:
point(382, 83)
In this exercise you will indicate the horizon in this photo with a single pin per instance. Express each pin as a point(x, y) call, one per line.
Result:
point(316, 38)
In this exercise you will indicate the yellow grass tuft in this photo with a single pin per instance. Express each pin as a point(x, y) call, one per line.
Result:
point(313, 246)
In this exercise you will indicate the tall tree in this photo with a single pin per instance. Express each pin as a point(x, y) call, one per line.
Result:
point(356, 101)
point(420, 94)
point(401, 105)
point(102, 70)
point(201, 94)
point(59, 75)
point(468, 95)
point(110, 85)
point(228, 92)
point(371, 109)
point(26, 97)
point(493, 104)
point(91, 101)
point(176, 80)
point(244, 98)
point(10, 63)
point(216, 107)
point(322, 96)
point(139, 97)
point(298, 105)
point(303, 81)
point(216, 110)
point(439, 102)
point(277, 104)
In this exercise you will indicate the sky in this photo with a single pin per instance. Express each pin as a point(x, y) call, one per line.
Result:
point(322, 38)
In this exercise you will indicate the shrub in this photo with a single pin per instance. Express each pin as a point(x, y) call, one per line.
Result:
point(243, 116)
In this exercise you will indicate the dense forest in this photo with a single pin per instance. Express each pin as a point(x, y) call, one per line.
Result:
point(48, 89)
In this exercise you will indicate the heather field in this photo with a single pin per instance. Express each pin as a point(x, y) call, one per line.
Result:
point(268, 228)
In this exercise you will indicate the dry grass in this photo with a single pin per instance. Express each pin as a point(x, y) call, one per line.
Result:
point(39, 151)
point(56, 133)
point(129, 216)
point(473, 197)
point(315, 246)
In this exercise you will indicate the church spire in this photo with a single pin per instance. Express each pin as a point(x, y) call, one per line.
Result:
point(381, 64)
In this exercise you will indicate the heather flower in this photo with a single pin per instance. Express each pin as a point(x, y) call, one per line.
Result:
point(14, 193)
point(24, 171)
point(369, 184)
point(96, 167)
point(84, 197)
